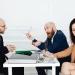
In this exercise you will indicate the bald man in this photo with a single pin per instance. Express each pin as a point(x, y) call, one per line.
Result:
point(55, 42)
point(4, 50)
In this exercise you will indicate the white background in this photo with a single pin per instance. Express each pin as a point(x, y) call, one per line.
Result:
point(21, 15)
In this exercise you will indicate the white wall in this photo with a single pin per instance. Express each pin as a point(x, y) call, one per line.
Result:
point(20, 15)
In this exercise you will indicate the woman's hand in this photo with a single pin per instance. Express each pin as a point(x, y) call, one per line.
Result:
point(48, 54)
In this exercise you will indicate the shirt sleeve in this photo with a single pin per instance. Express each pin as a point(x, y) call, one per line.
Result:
point(3, 48)
point(41, 46)
point(64, 53)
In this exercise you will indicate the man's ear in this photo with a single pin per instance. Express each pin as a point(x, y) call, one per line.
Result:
point(54, 28)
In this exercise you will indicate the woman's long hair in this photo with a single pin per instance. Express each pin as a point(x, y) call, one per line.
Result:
point(70, 28)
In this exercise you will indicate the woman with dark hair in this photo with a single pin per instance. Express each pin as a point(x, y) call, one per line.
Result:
point(68, 68)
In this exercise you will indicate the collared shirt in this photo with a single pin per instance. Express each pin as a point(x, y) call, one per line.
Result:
point(53, 36)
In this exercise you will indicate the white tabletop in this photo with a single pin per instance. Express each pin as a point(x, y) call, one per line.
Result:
point(31, 65)
point(45, 63)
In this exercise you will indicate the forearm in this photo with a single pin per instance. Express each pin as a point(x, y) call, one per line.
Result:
point(5, 49)
point(64, 53)
point(58, 55)
point(40, 46)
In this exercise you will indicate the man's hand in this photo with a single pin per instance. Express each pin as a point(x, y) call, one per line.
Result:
point(36, 43)
point(11, 48)
point(29, 36)
point(48, 54)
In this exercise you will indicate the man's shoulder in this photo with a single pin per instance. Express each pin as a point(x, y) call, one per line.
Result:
point(0, 36)
point(59, 32)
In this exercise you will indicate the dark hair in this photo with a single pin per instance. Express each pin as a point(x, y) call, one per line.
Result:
point(70, 28)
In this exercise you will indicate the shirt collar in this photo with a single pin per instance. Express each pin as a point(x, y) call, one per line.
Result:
point(53, 36)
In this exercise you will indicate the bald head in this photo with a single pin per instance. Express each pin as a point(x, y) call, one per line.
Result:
point(51, 25)
point(2, 26)
point(50, 29)
point(2, 22)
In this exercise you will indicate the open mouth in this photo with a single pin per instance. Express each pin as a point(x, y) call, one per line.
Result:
point(48, 33)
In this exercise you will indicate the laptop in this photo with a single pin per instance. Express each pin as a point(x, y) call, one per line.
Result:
point(19, 58)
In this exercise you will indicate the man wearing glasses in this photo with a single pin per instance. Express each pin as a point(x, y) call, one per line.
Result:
point(4, 50)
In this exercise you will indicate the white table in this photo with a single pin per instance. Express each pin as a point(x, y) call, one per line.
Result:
point(44, 64)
